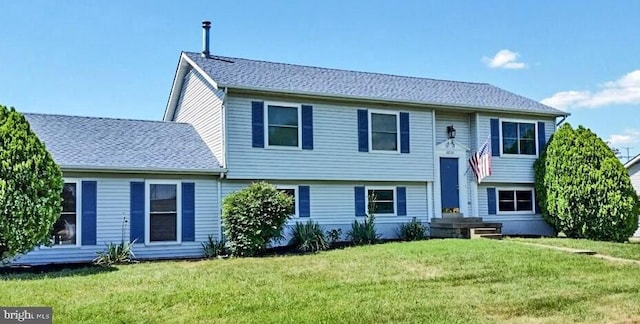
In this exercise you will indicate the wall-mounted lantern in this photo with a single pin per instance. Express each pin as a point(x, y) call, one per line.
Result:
point(451, 132)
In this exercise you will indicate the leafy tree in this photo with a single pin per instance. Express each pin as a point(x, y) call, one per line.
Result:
point(583, 189)
point(30, 187)
point(254, 216)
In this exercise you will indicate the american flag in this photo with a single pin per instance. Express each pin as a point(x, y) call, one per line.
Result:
point(480, 161)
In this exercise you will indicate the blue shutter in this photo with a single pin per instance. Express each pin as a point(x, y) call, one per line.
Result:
point(537, 203)
point(137, 212)
point(491, 201)
point(542, 139)
point(257, 123)
point(361, 202)
point(495, 137)
point(402, 201)
point(363, 130)
point(188, 212)
point(304, 202)
point(89, 204)
point(404, 132)
point(307, 127)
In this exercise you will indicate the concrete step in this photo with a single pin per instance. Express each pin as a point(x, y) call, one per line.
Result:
point(466, 225)
point(478, 232)
point(452, 215)
point(456, 220)
point(492, 236)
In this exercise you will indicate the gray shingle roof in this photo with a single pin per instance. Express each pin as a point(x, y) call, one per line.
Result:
point(243, 73)
point(95, 143)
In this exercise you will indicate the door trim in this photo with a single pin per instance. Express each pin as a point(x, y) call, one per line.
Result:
point(452, 149)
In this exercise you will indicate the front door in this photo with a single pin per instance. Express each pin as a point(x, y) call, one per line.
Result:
point(449, 189)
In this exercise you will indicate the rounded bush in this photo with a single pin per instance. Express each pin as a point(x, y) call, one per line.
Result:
point(254, 216)
point(583, 189)
point(30, 187)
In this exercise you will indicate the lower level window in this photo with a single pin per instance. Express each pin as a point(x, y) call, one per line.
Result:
point(518, 200)
point(381, 201)
point(163, 212)
point(65, 228)
point(291, 191)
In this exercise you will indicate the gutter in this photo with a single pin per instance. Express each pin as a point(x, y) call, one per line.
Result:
point(383, 101)
point(142, 170)
point(563, 119)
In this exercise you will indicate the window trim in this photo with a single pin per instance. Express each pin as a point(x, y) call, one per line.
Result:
point(523, 121)
point(147, 211)
point(78, 183)
point(370, 131)
point(395, 200)
point(296, 194)
point(520, 212)
point(266, 124)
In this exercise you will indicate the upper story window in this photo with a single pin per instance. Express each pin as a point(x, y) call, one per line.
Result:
point(163, 212)
point(65, 229)
point(518, 138)
point(382, 200)
point(515, 201)
point(283, 128)
point(384, 135)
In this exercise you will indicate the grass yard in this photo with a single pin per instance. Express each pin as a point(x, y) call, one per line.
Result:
point(429, 281)
point(618, 250)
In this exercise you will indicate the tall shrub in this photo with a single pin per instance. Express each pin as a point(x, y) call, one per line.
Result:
point(30, 187)
point(583, 189)
point(254, 216)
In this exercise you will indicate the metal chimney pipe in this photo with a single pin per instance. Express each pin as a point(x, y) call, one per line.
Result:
point(206, 25)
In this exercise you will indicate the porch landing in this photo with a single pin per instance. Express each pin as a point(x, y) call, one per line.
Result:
point(457, 226)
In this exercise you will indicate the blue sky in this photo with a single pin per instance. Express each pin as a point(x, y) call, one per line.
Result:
point(118, 58)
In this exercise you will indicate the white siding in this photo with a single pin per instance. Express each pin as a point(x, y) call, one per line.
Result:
point(512, 169)
point(634, 174)
point(335, 155)
point(332, 203)
point(113, 203)
point(200, 105)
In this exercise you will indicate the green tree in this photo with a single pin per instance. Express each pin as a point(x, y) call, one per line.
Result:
point(254, 216)
point(30, 187)
point(583, 189)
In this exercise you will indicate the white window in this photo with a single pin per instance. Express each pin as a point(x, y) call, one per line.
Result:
point(516, 201)
point(382, 199)
point(384, 135)
point(292, 191)
point(283, 125)
point(163, 216)
point(518, 137)
point(66, 230)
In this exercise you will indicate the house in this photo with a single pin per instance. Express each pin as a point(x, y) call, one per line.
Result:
point(330, 138)
point(150, 181)
point(633, 167)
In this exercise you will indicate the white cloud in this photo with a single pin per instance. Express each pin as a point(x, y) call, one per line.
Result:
point(504, 59)
point(625, 90)
point(629, 136)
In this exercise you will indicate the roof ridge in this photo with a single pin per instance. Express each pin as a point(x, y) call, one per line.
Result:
point(107, 118)
point(342, 70)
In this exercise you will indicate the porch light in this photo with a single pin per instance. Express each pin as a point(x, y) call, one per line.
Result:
point(451, 132)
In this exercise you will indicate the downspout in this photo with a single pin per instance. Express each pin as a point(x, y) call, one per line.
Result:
point(225, 157)
point(220, 206)
point(224, 128)
point(436, 181)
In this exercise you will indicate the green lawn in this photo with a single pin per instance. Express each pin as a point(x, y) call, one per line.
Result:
point(618, 250)
point(429, 281)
